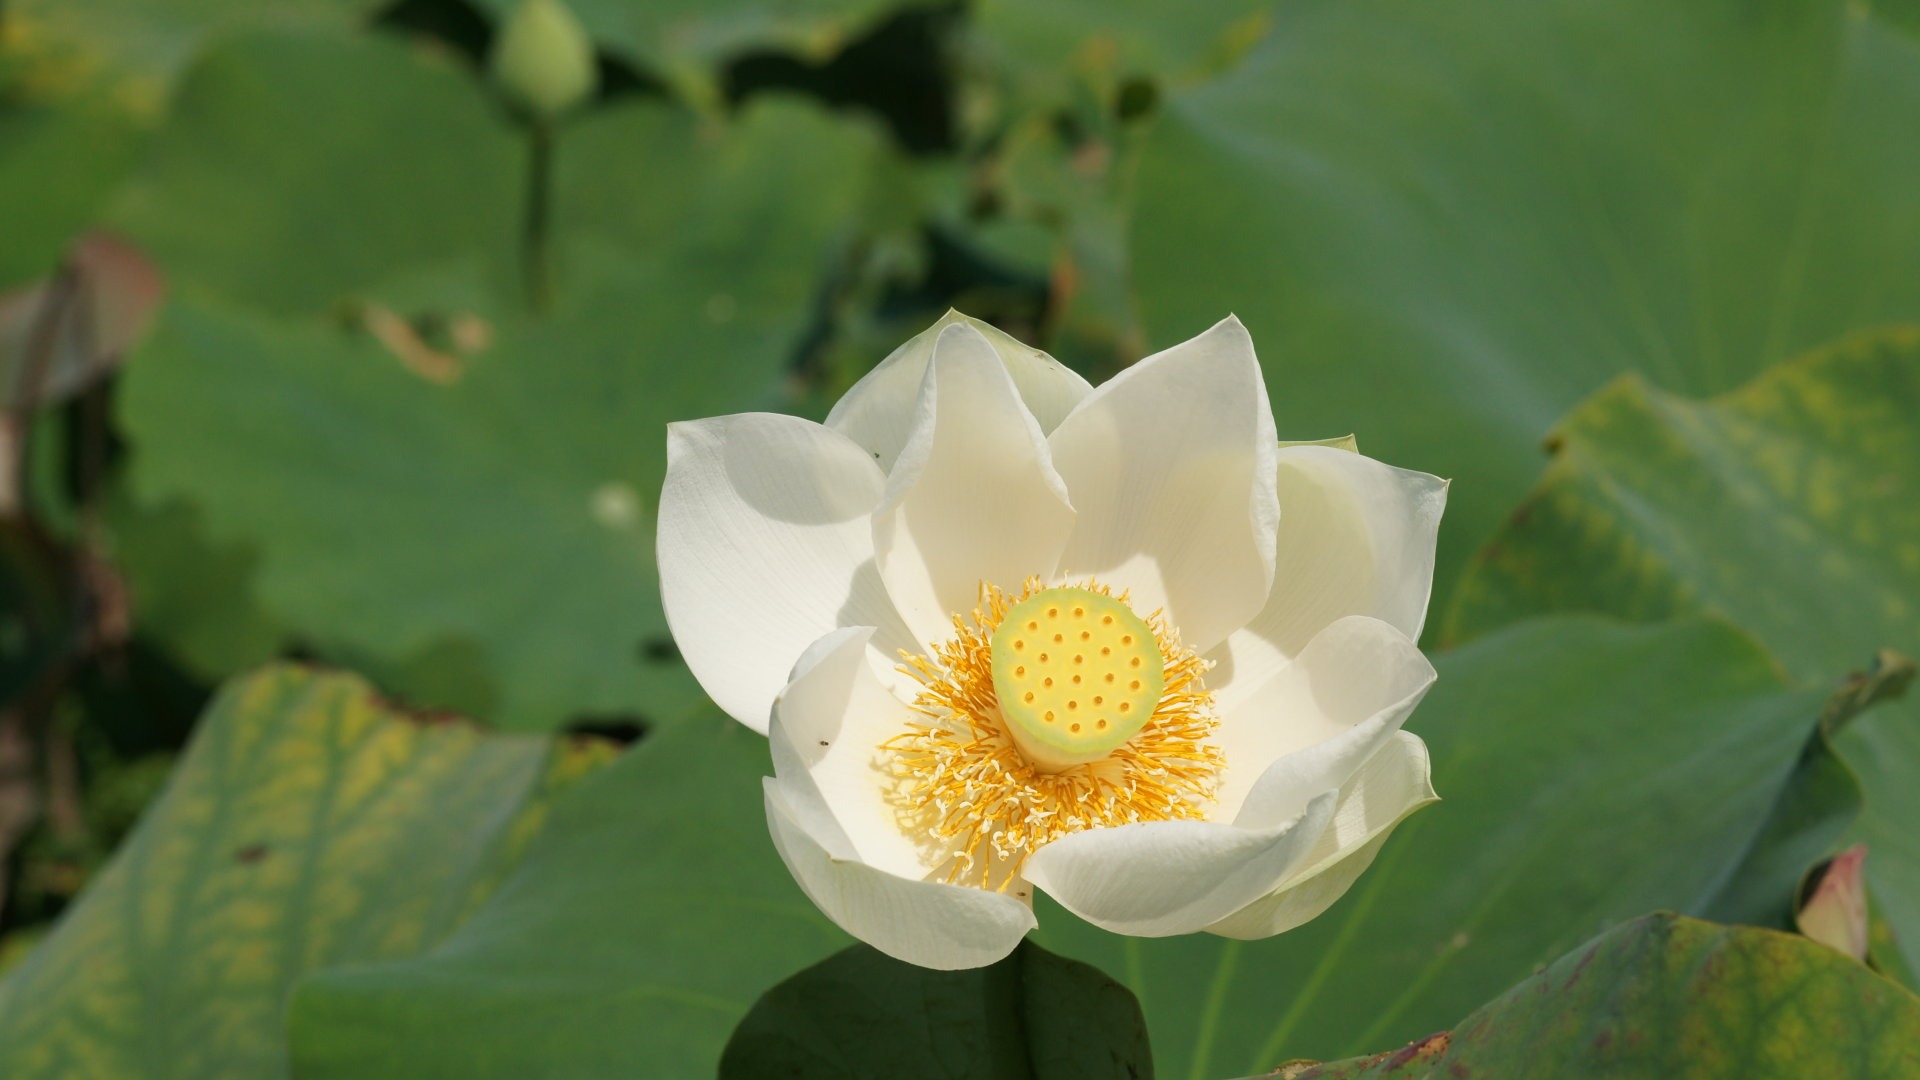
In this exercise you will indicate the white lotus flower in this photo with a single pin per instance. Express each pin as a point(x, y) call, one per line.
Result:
point(1155, 662)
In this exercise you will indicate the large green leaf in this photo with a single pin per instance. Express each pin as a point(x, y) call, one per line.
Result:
point(484, 544)
point(233, 202)
point(862, 1015)
point(58, 161)
point(637, 931)
point(1805, 483)
point(1678, 999)
point(1447, 223)
point(1791, 507)
point(1904, 14)
point(194, 595)
point(1590, 772)
point(308, 825)
point(436, 486)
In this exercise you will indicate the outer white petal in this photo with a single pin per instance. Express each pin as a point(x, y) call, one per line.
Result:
point(1304, 728)
point(1170, 464)
point(1389, 786)
point(1173, 877)
point(928, 923)
point(878, 411)
point(973, 496)
point(764, 545)
point(1356, 537)
point(828, 725)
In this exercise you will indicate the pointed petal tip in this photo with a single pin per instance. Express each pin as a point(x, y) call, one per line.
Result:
point(1232, 325)
point(957, 330)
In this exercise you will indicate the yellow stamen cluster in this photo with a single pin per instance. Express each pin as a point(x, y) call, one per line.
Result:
point(962, 786)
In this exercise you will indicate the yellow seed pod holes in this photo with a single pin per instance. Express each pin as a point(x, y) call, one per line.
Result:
point(1077, 674)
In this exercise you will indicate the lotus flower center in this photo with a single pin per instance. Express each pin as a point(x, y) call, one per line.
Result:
point(1051, 710)
point(1077, 674)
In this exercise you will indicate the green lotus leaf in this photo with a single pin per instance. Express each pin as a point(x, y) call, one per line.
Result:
point(1790, 506)
point(308, 825)
point(1679, 999)
point(430, 481)
point(862, 1014)
point(1446, 225)
point(1589, 771)
point(636, 933)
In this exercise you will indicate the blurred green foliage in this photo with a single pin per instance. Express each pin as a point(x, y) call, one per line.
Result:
point(403, 413)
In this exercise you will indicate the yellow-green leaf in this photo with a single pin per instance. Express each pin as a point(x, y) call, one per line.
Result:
point(309, 825)
point(1677, 999)
point(637, 931)
point(1790, 506)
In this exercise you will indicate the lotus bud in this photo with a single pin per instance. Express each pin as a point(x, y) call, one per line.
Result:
point(1835, 912)
point(542, 59)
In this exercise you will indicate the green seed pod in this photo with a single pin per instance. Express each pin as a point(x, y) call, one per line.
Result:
point(1076, 675)
point(542, 59)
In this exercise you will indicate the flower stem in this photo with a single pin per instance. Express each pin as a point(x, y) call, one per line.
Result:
point(536, 250)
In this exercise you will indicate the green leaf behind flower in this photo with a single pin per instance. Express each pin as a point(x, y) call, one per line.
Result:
point(430, 482)
point(59, 159)
point(1790, 506)
point(230, 205)
point(1445, 224)
point(1589, 772)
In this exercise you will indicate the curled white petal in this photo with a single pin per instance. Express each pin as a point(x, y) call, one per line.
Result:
point(828, 725)
point(1304, 728)
point(877, 412)
point(1389, 786)
point(1170, 465)
point(1173, 877)
point(1356, 537)
point(764, 545)
point(929, 923)
point(973, 496)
